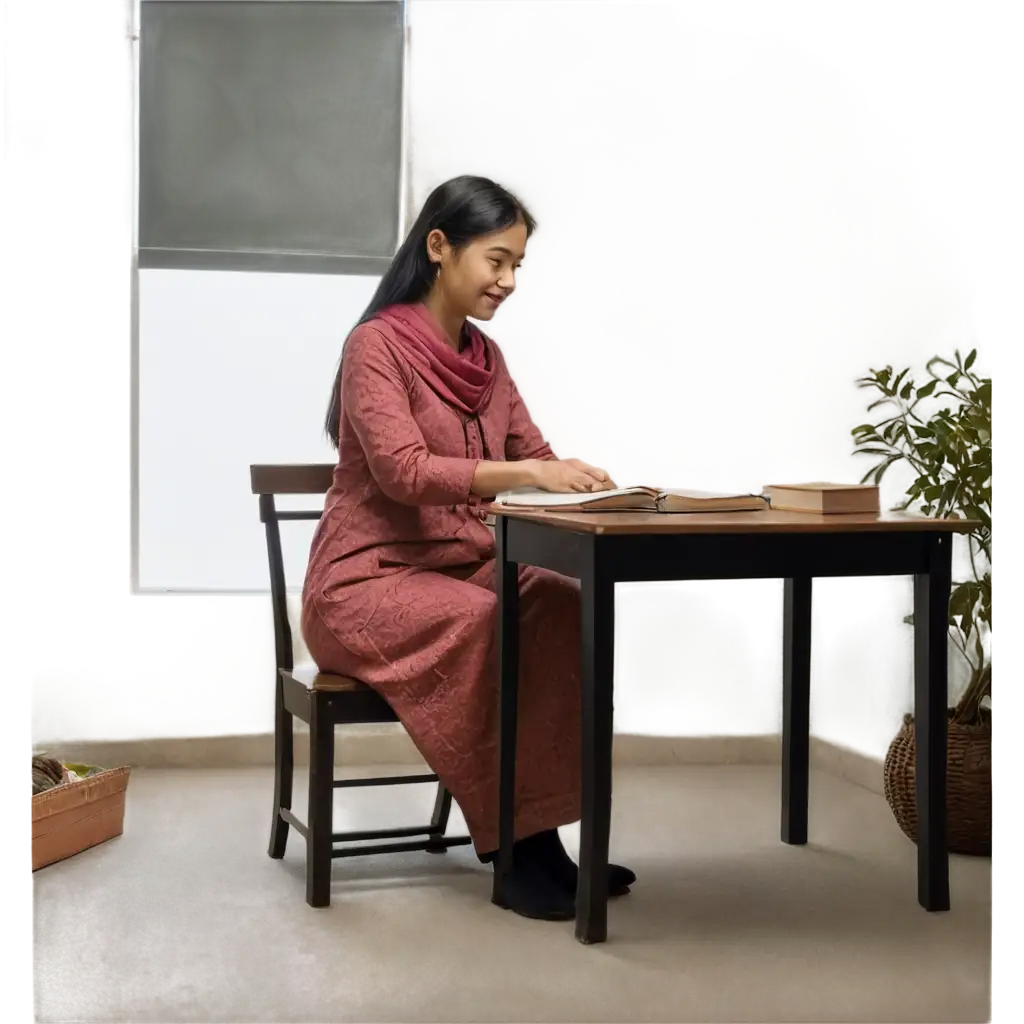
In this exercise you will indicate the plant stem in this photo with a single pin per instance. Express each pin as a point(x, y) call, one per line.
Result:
point(968, 708)
point(963, 649)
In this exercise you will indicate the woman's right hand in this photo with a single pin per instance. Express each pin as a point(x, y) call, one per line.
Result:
point(564, 476)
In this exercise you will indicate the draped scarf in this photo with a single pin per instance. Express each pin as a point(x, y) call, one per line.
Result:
point(461, 378)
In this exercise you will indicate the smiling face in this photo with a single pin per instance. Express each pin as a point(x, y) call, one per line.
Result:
point(477, 278)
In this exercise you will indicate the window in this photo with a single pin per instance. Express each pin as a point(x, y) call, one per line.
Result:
point(269, 141)
point(270, 134)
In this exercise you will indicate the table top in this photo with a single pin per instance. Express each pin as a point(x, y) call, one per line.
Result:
point(767, 521)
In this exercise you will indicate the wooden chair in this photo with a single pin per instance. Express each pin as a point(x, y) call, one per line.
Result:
point(323, 701)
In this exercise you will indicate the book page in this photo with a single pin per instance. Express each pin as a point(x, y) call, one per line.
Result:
point(690, 493)
point(534, 496)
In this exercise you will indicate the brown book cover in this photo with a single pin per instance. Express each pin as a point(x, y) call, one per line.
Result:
point(824, 498)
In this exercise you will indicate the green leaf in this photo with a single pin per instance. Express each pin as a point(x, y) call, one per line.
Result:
point(83, 770)
point(908, 619)
point(927, 389)
point(884, 466)
point(884, 375)
point(907, 389)
point(969, 362)
point(898, 429)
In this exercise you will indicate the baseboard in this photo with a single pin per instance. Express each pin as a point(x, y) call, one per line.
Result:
point(389, 744)
point(848, 765)
point(384, 743)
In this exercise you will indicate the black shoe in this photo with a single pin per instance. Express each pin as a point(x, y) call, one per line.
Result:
point(548, 847)
point(530, 891)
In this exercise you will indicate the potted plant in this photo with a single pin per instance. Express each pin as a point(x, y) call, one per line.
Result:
point(949, 451)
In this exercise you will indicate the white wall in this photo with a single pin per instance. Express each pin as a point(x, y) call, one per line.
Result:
point(731, 230)
point(727, 235)
point(714, 670)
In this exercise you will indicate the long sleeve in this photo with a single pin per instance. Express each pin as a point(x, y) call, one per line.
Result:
point(375, 397)
point(524, 440)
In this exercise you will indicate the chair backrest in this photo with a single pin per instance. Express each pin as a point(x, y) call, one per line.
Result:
point(268, 481)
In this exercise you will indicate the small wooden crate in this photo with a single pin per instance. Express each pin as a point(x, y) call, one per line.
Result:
point(76, 815)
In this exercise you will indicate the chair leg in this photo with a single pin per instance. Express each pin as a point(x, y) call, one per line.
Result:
point(321, 802)
point(439, 820)
point(284, 766)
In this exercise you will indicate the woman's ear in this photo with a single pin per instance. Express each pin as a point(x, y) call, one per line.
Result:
point(436, 245)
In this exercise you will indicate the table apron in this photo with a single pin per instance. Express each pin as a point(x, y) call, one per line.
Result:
point(652, 557)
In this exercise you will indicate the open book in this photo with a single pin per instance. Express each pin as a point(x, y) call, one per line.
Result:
point(632, 499)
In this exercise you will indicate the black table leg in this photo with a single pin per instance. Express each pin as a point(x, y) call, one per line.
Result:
point(796, 707)
point(507, 577)
point(931, 628)
point(597, 665)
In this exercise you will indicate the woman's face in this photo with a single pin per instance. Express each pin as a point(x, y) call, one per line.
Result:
point(479, 277)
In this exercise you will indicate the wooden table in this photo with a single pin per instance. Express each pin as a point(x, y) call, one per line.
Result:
point(602, 549)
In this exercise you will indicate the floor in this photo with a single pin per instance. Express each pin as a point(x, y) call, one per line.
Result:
point(186, 918)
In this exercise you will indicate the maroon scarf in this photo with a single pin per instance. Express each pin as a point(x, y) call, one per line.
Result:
point(462, 378)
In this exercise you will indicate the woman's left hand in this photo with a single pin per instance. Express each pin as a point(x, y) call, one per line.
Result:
point(602, 481)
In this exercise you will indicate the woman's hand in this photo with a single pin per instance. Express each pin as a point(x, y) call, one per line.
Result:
point(568, 475)
point(565, 477)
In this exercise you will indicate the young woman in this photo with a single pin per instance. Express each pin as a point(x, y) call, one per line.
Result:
point(400, 588)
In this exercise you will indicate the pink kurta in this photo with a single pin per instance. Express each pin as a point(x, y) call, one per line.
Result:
point(400, 590)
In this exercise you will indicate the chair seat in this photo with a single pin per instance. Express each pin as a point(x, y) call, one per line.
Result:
point(310, 677)
point(352, 701)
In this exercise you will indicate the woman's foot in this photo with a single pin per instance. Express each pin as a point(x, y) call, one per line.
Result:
point(531, 891)
point(543, 880)
point(548, 847)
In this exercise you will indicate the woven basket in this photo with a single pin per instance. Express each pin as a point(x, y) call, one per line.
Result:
point(968, 784)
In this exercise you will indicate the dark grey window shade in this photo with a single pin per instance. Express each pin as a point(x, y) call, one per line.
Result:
point(270, 134)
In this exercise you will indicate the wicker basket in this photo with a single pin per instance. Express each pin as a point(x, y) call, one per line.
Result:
point(968, 784)
point(76, 815)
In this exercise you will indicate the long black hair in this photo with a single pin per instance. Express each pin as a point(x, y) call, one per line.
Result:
point(464, 209)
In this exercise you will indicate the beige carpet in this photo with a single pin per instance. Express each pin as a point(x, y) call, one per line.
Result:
point(186, 918)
